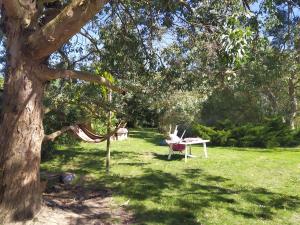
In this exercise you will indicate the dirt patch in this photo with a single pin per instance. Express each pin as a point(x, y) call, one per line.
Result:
point(76, 205)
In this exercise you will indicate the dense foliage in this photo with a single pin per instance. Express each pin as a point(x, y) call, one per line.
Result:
point(270, 133)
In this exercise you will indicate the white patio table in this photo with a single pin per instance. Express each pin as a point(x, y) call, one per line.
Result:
point(188, 142)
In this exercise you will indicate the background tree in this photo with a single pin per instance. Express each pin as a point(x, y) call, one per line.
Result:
point(282, 27)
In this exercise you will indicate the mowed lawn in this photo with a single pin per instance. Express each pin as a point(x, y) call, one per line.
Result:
point(233, 186)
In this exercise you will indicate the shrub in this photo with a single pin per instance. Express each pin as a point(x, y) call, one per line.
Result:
point(203, 131)
point(232, 142)
point(225, 125)
point(295, 138)
point(221, 137)
point(273, 132)
point(278, 133)
point(217, 137)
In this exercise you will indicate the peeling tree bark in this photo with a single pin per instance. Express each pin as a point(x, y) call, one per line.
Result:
point(21, 133)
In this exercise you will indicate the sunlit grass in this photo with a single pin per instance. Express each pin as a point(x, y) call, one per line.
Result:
point(233, 186)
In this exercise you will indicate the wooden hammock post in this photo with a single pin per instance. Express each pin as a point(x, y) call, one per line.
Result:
point(108, 131)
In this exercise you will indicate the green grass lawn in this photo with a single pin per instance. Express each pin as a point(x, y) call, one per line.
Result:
point(233, 186)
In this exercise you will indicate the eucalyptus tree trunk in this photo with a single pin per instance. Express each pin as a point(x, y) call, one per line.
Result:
point(21, 132)
point(293, 104)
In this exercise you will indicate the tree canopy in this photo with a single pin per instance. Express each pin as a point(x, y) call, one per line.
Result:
point(171, 61)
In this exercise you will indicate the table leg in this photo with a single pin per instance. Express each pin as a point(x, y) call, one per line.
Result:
point(190, 148)
point(170, 152)
point(186, 153)
point(205, 150)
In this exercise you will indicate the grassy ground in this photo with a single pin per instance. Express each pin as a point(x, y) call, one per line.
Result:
point(233, 186)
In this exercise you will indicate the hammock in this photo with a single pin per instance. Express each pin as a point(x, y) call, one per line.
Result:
point(89, 132)
point(86, 135)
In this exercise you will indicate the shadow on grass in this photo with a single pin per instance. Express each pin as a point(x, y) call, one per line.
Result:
point(133, 164)
point(174, 157)
point(163, 216)
point(164, 157)
point(87, 161)
point(151, 186)
point(182, 200)
point(265, 202)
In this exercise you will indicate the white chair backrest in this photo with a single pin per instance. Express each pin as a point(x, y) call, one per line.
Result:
point(182, 134)
point(174, 138)
point(175, 130)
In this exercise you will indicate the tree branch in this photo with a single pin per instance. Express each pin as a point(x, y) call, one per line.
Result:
point(82, 58)
point(59, 30)
point(92, 40)
point(52, 74)
point(65, 58)
point(51, 137)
